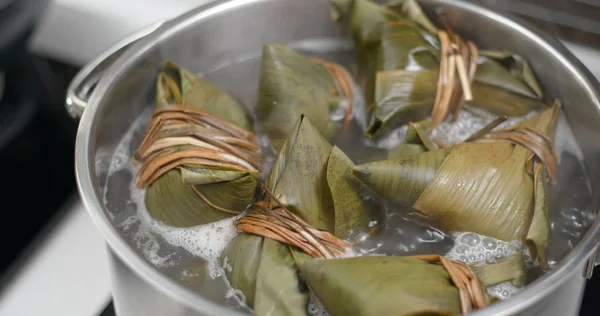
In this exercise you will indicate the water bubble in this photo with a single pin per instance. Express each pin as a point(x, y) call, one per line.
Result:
point(489, 243)
point(462, 249)
point(470, 239)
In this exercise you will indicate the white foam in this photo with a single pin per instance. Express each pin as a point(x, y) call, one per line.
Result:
point(474, 248)
point(150, 250)
point(503, 290)
point(205, 241)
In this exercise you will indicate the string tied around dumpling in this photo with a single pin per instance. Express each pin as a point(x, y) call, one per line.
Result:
point(471, 291)
point(536, 141)
point(279, 223)
point(180, 135)
point(344, 83)
point(452, 93)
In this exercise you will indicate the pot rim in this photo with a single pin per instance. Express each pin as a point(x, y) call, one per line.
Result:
point(91, 197)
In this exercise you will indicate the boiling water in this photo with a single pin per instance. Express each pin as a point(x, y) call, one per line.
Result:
point(190, 255)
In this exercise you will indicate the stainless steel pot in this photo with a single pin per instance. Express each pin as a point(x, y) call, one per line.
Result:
point(122, 81)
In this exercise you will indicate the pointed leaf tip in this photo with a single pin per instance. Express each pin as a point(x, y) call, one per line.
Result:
point(402, 180)
point(303, 160)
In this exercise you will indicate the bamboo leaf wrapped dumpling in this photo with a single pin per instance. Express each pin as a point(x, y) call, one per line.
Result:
point(381, 36)
point(381, 285)
point(176, 85)
point(491, 186)
point(199, 157)
point(265, 271)
point(292, 85)
point(412, 285)
point(328, 202)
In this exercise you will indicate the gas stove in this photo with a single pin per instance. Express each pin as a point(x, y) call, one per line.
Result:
point(66, 270)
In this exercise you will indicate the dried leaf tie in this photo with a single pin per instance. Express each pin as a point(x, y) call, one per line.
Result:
point(344, 83)
point(450, 97)
point(471, 291)
point(181, 135)
point(281, 224)
point(534, 140)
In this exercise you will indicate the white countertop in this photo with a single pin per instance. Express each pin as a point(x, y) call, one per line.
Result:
point(76, 31)
point(67, 275)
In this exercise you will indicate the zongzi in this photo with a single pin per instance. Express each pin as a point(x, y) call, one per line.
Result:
point(327, 204)
point(494, 185)
point(386, 285)
point(199, 158)
point(292, 85)
point(399, 51)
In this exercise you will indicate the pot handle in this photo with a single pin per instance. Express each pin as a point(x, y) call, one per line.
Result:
point(83, 84)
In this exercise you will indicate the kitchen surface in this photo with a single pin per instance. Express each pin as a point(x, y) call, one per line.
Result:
point(61, 268)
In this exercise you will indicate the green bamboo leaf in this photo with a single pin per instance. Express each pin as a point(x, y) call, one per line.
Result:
point(347, 193)
point(378, 285)
point(482, 188)
point(418, 133)
point(501, 102)
point(416, 141)
point(404, 150)
point(412, 10)
point(518, 67)
point(537, 236)
point(175, 203)
point(402, 180)
point(266, 273)
point(401, 97)
point(404, 96)
point(493, 73)
point(192, 90)
point(366, 20)
point(385, 40)
point(498, 102)
point(403, 46)
point(303, 160)
point(240, 260)
point(511, 268)
point(290, 85)
point(198, 176)
point(279, 290)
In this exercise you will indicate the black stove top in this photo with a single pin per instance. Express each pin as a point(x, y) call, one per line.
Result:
point(36, 155)
point(109, 310)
